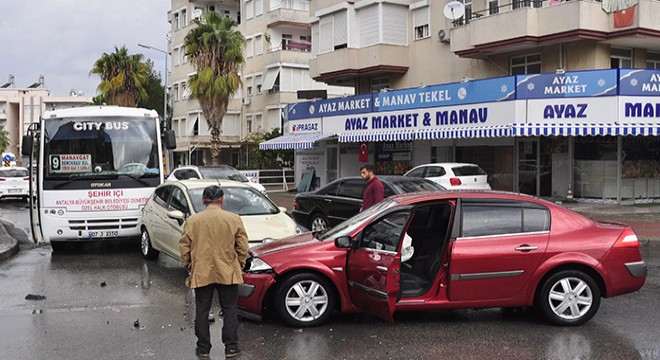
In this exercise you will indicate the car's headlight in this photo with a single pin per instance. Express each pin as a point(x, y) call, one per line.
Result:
point(257, 265)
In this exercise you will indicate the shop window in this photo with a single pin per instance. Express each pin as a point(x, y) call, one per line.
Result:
point(640, 168)
point(378, 84)
point(526, 64)
point(621, 58)
point(595, 167)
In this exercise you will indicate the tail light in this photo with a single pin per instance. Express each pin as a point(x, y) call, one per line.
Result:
point(26, 179)
point(628, 238)
point(455, 181)
point(295, 203)
point(2, 179)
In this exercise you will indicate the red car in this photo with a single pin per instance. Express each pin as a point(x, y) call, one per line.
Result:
point(446, 250)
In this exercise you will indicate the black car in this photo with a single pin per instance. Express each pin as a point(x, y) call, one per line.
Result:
point(342, 198)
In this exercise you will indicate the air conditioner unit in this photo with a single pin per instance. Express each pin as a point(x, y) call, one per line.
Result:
point(246, 101)
point(443, 35)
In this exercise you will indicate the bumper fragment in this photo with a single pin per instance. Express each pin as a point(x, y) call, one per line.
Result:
point(637, 269)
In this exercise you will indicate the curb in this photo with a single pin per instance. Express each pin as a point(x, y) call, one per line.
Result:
point(8, 245)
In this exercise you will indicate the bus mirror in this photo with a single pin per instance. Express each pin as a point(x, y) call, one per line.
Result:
point(28, 143)
point(170, 140)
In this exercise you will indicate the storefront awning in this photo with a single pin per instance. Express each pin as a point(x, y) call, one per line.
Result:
point(598, 129)
point(380, 135)
point(286, 142)
point(465, 133)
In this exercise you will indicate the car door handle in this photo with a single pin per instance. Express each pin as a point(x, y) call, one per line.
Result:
point(381, 268)
point(527, 248)
point(327, 200)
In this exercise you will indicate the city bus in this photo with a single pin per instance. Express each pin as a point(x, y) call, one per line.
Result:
point(96, 166)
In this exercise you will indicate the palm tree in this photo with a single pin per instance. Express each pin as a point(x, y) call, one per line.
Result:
point(4, 138)
point(123, 77)
point(215, 48)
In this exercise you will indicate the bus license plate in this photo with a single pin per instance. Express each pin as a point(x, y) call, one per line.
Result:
point(106, 233)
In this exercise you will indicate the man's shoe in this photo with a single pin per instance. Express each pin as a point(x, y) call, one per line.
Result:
point(201, 354)
point(232, 353)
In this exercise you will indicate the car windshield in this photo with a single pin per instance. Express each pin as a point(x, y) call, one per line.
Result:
point(413, 185)
point(239, 200)
point(223, 173)
point(467, 170)
point(10, 173)
point(347, 227)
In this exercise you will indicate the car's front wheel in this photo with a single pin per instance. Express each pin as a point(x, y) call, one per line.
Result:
point(305, 299)
point(318, 222)
point(569, 298)
point(148, 252)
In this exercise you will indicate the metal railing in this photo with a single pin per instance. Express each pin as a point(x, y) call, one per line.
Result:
point(495, 9)
point(273, 179)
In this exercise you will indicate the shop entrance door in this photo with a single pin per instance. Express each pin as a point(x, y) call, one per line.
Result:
point(332, 163)
point(528, 161)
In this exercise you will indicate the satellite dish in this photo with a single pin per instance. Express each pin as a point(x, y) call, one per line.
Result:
point(197, 13)
point(454, 10)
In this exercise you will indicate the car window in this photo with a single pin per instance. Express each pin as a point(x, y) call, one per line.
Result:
point(185, 174)
point(388, 191)
point(178, 201)
point(352, 189)
point(330, 189)
point(416, 185)
point(9, 173)
point(435, 171)
point(385, 233)
point(162, 195)
point(228, 173)
point(487, 219)
point(239, 200)
point(467, 170)
point(419, 172)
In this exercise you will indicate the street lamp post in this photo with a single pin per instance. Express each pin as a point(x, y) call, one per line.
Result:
point(165, 86)
point(170, 157)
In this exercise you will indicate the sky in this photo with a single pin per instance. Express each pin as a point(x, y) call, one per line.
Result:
point(61, 39)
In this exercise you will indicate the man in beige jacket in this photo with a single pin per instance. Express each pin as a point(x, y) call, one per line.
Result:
point(214, 248)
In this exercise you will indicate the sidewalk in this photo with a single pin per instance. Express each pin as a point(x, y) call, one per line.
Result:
point(8, 245)
point(644, 218)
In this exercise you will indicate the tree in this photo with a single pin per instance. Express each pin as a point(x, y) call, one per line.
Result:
point(123, 77)
point(4, 138)
point(155, 91)
point(270, 159)
point(215, 48)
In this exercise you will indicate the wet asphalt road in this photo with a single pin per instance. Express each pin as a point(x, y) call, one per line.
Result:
point(82, 319)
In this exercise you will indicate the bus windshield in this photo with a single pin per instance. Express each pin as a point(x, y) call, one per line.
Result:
point(100, 147)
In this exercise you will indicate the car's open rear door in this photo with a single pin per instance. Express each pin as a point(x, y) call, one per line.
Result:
point(374, 268)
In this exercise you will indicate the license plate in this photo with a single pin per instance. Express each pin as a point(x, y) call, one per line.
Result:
point(102, 234)
point(14, 191)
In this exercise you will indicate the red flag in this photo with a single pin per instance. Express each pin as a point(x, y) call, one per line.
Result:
point(624, 17)
point(364, 153)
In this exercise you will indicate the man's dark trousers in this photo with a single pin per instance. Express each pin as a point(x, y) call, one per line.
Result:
point(228, 296)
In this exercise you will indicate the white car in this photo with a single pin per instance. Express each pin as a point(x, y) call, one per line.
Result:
point(172, 202)
point(213, 172)
point(453, 176)
point(14, 182)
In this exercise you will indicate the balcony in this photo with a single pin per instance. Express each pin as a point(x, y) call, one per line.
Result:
point(288, 12)
point(297, 52)
point(535, 23)
point(352, 62)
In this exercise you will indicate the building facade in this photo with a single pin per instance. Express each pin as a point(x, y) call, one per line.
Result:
point(21, 107)
point(606, 151)
point(277, 54)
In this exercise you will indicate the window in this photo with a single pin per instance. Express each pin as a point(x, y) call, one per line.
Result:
point(258, 83)
point(499, 218)
point(330, 189)
point(249, 125)
point(196, 127)
point(184, 18)
point(385, 233)
point(493, 7)
point(286, 39)
point(419, 172)
point(378, 84)
point(258, 7)
point(258, 45)
point(162, 195)
point(468, 12)
point(621, 58)
point(249, 50)
point(652, 60)
point(526, 64)
point(175, 94)
point(176, 21)
point(435, 171)
point(249, 9)
point(178, 202)
point(352, 189)
point(421, 22)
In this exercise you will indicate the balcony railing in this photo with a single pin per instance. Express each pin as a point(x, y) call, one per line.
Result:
point(302, 5)
point(300, 46)
point(494, 8)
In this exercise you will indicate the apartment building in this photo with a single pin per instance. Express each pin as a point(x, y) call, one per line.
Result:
point(407, 59)
point(277, 54)
point(22, 106)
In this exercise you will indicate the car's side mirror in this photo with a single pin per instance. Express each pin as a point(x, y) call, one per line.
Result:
point(345, 242)
point(177, 215)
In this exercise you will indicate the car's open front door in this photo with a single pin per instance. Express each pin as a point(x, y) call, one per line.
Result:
point(374, 267)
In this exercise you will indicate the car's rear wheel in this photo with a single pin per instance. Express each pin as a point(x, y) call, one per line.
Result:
point(318, 222)
point(569, 298)
point(305, 299)
point(148, 252)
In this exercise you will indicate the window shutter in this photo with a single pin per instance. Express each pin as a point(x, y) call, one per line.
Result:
point(341, 28)
point(315, 38)
point(326, 42)
point(395, 24)
point(258, 7)
point(368, 21)
point(421, 16)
